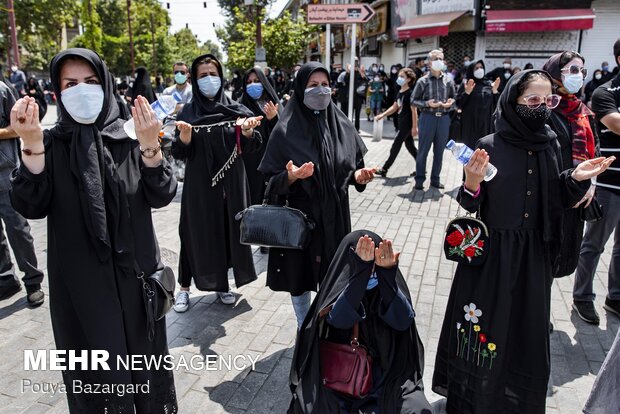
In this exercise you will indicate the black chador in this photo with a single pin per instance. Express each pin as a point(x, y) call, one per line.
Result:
point(493, 352)
point(214, 191)
point(256, 179)
point(329, 140)
point(387, 329)
point(97, 196)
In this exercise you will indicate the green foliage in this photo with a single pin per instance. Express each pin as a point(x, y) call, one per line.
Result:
point(40, 22)
point(283, 38)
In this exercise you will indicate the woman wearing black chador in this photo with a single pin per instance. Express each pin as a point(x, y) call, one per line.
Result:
point(96, 186)
point(493, 352)
point(363, 285)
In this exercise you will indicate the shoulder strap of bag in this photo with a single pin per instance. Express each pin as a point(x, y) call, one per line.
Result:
point(355, 333)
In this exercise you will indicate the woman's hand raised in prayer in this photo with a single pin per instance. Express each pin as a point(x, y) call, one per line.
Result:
point(271, 110)
point(365, 249)
point(475, 170)
point(385, 256)
point(365, 175)
point(591, 168)
point(185, 131)
point(299, 173)
point(146, 123)
point(248, 125)
point(25, 123)
point(469, 86)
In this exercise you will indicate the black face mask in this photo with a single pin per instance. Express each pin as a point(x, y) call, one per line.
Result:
point(533, 118)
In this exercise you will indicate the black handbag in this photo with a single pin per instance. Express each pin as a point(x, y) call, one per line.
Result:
point(267, 225)
point(592, 213)
point(456, 125)
point(466, 240)
point(157, 294)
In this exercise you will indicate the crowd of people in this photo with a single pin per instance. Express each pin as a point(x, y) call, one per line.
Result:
point(553, 140)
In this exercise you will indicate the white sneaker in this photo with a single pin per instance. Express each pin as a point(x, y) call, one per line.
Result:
point(181, 304)
point(227, 298)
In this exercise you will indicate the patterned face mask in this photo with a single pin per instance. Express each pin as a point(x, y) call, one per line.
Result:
point(533, 118)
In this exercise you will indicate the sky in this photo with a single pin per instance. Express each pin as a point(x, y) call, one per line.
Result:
point(201, 20)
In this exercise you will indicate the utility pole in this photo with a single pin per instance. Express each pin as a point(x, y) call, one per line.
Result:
point(154, 56)
point(13, 28)
point(133, 63)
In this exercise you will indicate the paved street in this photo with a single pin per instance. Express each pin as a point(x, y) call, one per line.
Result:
point(262, 323)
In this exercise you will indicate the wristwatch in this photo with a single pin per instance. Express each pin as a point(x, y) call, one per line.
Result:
point(150, 152)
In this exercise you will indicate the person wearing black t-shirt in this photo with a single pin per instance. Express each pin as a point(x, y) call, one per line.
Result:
point(407, 119)
point(606, 107)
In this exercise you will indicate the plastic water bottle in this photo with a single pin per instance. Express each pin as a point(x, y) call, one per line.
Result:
point(463, 153)
point(162, 107)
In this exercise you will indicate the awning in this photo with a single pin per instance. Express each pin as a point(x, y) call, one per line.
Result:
point(436, 24)
point(539, 20)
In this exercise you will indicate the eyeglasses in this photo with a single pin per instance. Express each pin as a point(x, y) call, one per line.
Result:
point(575, 70)
point(534, 101)
point(182, 72)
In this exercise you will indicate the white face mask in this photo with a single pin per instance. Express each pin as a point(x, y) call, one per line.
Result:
point(437, 65)
point(598, 76)
point(479, 73)
point(507, 65)
point(83, 102)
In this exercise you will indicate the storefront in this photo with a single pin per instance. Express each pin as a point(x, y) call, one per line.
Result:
point(530, 35)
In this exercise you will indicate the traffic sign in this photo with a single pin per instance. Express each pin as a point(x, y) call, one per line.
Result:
point(339, 13)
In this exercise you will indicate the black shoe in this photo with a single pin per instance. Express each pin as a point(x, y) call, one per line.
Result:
point(585, 310)
point(34, 295)
point(8, 291)
point(412, 174)
point(550, 327)
point(264, 250)
point(382, 172)
point(612, 306)
point(419, 187)
point(438, 185)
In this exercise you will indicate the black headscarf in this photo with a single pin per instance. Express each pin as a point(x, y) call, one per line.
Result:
point(328, 139)
point(142, 86)
point(103, 201)
point(511, 129)
point(405, 373)
point(470, 73)
point(269, 94)
point(204, 111)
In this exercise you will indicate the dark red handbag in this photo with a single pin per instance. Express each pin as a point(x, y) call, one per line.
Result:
point(346, 368)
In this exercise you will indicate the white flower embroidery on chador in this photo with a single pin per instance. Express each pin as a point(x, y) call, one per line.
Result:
point(471, 313)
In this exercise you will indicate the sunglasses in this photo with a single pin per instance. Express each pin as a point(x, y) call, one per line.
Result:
point(575, 70)
point(534, 101)
point(182, 72)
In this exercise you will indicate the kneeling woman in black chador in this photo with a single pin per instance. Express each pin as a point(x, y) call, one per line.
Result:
point(363, 286)
point(96, 186)
point(493, 352)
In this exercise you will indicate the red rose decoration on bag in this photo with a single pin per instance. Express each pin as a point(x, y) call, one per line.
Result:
point(455, 238)
point(480, 244)
point(470, 251)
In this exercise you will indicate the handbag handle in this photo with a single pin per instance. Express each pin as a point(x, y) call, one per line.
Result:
point(356, 327)
point(268, 193)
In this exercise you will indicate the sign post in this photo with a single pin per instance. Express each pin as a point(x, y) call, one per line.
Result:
point(329, 14)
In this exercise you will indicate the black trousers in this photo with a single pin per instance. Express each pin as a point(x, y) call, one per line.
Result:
point(404, 135)
point(18, 232)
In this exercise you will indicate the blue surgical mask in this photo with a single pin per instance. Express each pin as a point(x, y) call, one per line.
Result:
point(255, 90)
point(83, 102)
point(400, 81)
point(180, 78)
point(605, 68)
point(572, 83)
point(318, 98)
point(209, 85)
point(372, 282)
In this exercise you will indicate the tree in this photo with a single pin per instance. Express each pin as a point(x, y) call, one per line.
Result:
point(93, 35)
point(186, 47)
point(284, 39)
point(39, 27)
